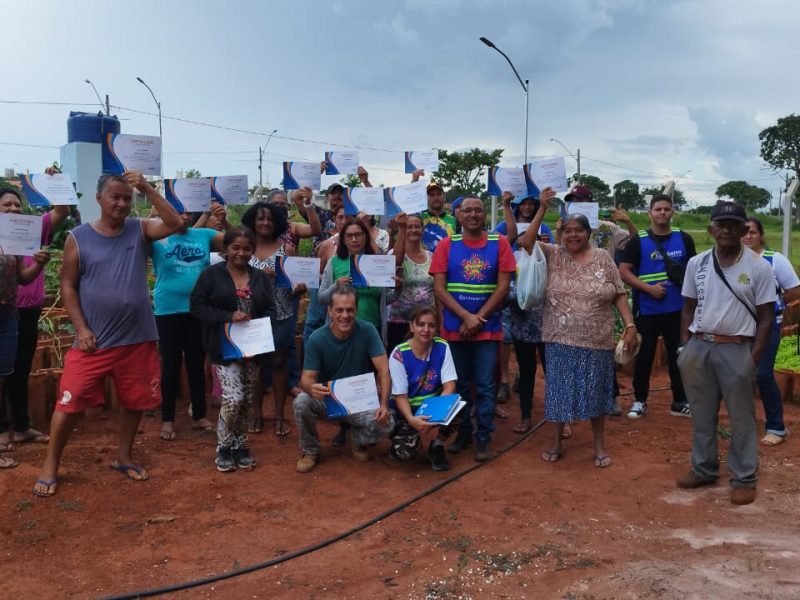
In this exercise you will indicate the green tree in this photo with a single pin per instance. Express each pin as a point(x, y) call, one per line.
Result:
point(192, 174)
point(600, 189)
point(678, 197)
point(350, 181)
point(464, 173)
point(626, 194)
point(750, 196)
point(780, 148)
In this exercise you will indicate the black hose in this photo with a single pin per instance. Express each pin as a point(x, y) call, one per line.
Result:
point(176, 587)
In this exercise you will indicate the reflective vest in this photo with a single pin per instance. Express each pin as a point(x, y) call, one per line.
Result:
point(472, 278)
point(424, 375)
point(780, 305)
point(652, 271)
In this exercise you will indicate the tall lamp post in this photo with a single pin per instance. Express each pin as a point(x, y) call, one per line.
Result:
point(576, 156)
point(677, 181)
point(260, 157)
point(99, 99)
point(525, 88)
point(160, 132)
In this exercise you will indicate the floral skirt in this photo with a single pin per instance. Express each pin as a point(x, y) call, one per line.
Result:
point(579, 383)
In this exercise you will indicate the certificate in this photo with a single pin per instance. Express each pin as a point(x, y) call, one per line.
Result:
point(502, 180)
point(341, 162)
point(293, 270)
point(352, 395)
point(123, 152)
point(229, 189)
point(410, 199)
point(298, 175)
point(427, 160)
point(49, 190)
point(20, 235)
point(590, 209)
point(188, 195)
point(247, 338)
point(373, 270)
point(363, 199)
point(548, 172)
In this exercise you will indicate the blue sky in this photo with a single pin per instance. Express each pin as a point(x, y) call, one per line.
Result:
point(647, 89)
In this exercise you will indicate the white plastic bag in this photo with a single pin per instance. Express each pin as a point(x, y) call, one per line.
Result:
point(531, 277)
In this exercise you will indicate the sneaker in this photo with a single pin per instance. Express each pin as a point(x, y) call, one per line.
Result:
point(482, 453)
point(243, 458)
point(742, 495)
point(340, 438)
point(361, 453)
point(617, 410)
point(691, 481)
point(225, 461)
point(638, 410)
point(306, 462)
point(503, 393)
point(462, 441)
point(680, 410)
point(437, 457)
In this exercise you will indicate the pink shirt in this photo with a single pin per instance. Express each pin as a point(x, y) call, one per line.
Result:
point(32, 294)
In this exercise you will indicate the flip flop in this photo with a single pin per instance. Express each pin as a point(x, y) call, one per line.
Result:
point(6, 462)
point(602, 461)
point(773, 439)
point(552, 456)
point(256, 425)
point(6, 446)
point(32, 436)
point(281, 430)
point(203, 425)
point(167, 434)
point(500, 413)
point(522, 428)
point(50, 485)
point(126, 470)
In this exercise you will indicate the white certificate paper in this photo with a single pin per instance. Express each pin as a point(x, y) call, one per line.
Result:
point(502, 179)
point(590, 209)
point(341, 162)
point(122, 152)
point(298, 175)
point(549, 172)
point(188, 195)
point(427, 160)
point(293, 270)
point(247, 338)
point(410, 199)
point(352, 395)
point(364, 199)
point(20, 235)
point(373, 270)
point(42, 189)
point(229, 189)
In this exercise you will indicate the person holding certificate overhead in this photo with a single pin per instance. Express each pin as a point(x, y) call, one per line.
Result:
point(420, 368)
point(471, 277)
point(13, 272)
point(233, 292)
point(346, 348)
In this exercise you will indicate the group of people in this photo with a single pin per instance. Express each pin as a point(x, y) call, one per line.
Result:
point(446, 327)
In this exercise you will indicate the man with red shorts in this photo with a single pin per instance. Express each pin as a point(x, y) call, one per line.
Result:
point(104, 289)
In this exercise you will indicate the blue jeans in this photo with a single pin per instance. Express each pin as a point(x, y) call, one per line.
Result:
point(476, 363)
point(767, 387)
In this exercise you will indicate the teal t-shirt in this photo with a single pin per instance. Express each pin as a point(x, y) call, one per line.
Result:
point(333, 358)
point(178, 261)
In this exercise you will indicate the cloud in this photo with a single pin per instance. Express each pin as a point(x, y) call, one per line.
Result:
point(731, 137)
point(397, 27)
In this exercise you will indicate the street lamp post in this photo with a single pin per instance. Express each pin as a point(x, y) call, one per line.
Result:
point(678, 180)
point(160, 132)
point(577, 156)
point(525, 88)
point(99, 99)
point(260, 157)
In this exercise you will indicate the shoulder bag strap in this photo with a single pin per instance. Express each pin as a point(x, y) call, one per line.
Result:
point(721, 275)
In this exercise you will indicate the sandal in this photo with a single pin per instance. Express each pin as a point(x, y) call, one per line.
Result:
point(132, 472)
point(281, 428)
point(602, 461)
point(7, 444)
point(203, 425)
point(773, 439)
point(566, 433)
point(31, 436)
point(552, 456)
point(6, 462)
point(44, 488)
point(500, 413)
point(256, 425)
point(523, 427)
point(167, 431)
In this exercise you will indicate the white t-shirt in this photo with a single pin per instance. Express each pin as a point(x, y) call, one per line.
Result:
point(785, 276)
point(717, 310)
point(400, 378)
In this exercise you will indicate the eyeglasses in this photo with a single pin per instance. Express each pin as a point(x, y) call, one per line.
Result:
point(354, 236)
point(474, 209)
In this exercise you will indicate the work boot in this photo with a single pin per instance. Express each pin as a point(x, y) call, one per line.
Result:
point(742, 495)
point(462, 441)
point(691, 481)
point(306, 462)
point(437, 457)
point(482, 453)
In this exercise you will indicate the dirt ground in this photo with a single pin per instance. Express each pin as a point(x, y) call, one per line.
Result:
point(515, 528)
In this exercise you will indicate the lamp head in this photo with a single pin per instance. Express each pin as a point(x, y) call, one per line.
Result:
point(139, 79)
point(487, 42)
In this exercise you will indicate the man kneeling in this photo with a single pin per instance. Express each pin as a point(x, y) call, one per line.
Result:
point(344, 348)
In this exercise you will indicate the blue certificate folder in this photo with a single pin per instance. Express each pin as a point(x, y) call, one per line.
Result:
point(440, 409)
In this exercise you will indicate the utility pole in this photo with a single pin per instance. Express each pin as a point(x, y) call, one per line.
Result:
point(108, 106)
point(787, 214)
point(260, 171)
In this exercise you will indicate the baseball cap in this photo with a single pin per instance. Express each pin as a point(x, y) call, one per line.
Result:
point(522, 197)
point(434, 186)
point(728, 211)
point(456, 203)
point(579, 193)
point(334, 187)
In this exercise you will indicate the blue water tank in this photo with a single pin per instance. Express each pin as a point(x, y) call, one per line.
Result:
point(88, 127)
